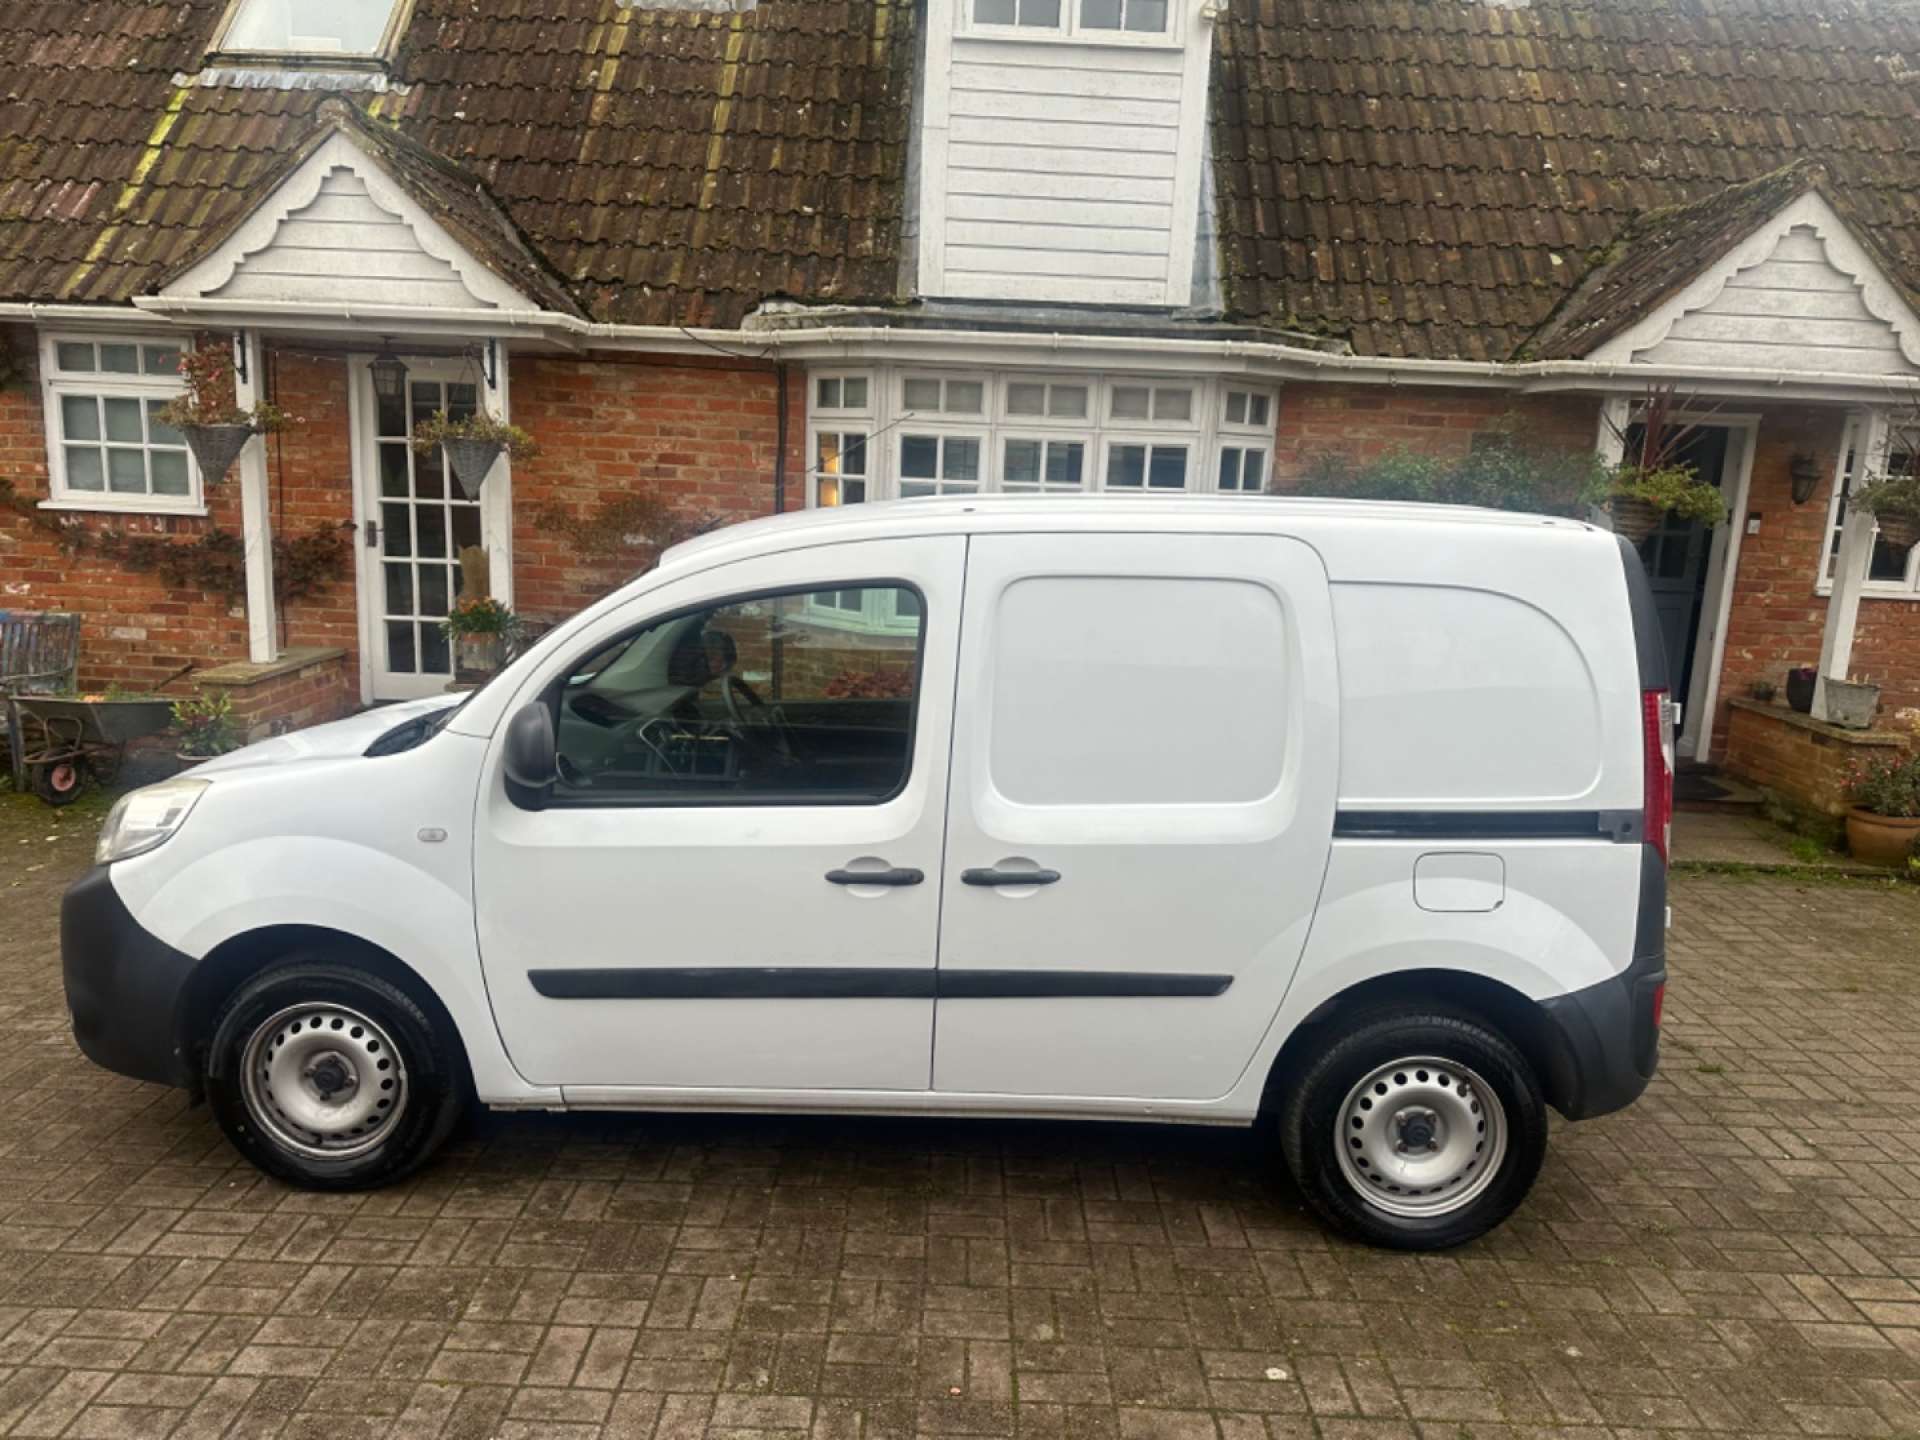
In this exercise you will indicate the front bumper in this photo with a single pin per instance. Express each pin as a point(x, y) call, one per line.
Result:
point(124, 986)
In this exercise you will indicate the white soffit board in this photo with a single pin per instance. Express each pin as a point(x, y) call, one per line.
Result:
point(1800, 293)
point(339, 230)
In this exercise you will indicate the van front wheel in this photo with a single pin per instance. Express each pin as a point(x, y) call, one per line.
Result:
point(332, 1078)
point(1417, 1130)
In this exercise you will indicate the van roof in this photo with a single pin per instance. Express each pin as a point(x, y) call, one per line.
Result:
point(961, 514)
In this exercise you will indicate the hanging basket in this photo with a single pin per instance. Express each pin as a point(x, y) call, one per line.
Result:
point(471, 460)
point(1901, 532)
point(1634, 518)
point(216, 447)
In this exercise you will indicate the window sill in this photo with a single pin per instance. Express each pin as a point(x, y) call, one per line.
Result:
point(97, 507)
point(1871, 591)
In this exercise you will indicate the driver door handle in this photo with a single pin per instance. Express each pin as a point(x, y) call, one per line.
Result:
point(991, 876)
point(899, 875)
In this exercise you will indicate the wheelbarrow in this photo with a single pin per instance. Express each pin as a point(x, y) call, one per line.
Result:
point(62, 741)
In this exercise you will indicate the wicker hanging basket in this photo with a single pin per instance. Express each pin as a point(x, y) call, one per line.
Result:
point(216, 447)
point(1900, 531)
point(471, 460)
point(1635, 518)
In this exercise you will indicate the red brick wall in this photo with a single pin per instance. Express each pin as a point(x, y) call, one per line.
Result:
point(1809, 764)
point(698, 433)
point(1361, 422)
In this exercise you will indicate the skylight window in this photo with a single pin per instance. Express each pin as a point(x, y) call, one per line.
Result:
point(310, 27)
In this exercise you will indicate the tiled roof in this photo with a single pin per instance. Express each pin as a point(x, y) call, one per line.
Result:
point(1434, 177)
point(666, 167)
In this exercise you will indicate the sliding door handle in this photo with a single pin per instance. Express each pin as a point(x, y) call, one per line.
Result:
point(899, 875)
point(992, 875)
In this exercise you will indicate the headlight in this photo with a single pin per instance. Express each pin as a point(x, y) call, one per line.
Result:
point(142, 819)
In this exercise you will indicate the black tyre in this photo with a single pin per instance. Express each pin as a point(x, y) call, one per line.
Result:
point(61, 782)
point(332, 1078)
point(1416, 1130)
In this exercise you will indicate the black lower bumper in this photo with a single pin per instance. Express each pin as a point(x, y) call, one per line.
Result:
point(123, 985)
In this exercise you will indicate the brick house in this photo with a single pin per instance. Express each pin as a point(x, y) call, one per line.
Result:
point(740, 257)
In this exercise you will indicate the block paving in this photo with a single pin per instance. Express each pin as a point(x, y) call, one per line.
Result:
point(1736, 1256)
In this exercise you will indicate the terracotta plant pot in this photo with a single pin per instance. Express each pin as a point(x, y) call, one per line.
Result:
point(216, 447)
point(1881, 839)
point(1901, 532)
point(1634, 518)
point(471, 460)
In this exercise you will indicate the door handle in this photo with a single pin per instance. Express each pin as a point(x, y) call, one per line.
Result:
point(370, 529)
point(899, 875)
point(989, 875)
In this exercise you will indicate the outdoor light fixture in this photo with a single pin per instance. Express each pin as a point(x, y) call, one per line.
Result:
point(1805, 471)
point(389, 375)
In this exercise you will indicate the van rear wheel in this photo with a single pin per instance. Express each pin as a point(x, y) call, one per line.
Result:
point(332, 1078)
point(1416, 1130)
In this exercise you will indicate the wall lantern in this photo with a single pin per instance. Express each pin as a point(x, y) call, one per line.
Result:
point(389, 375)
point(1805, 472)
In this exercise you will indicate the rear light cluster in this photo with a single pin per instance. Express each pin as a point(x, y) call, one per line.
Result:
point(1656, 719)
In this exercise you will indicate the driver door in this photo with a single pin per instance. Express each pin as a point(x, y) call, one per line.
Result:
point(736, 884)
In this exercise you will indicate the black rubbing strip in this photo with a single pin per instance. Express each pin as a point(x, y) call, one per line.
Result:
point(1620, 826)
point(1076, 984)
point(803, 983)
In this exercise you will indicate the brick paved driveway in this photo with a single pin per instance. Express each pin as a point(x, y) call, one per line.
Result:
point(1736, 1256)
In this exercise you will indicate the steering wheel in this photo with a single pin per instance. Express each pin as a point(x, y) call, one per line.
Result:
point(756, 723)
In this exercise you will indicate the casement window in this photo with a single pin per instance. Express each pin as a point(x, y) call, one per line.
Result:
point(1090, 20)
point(1889, 571)
point(1137, 403)
point(106, 448)
point(1141, 17)
point(1036, 464)
point(1246, 442)
point(1147, 465)
point(939, 464)
point(926, 395)
point(839, 471)
point(1038, 402)
point(835, 394)
point(347, 29)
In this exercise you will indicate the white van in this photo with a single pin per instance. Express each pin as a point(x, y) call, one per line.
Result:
point(1348, 821)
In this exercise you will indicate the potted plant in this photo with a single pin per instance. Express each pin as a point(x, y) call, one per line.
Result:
point(483, 632)
point(1894, 503)
point(1801, 680)
point(1639, 498)
point(472, 443)
point(204, 727)
point(215, 427)
point(1885, 819)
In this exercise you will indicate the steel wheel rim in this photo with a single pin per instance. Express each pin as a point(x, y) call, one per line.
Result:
point(1421, 1137)
point(325, 1081)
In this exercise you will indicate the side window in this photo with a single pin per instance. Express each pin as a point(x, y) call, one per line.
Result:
point(796, 698)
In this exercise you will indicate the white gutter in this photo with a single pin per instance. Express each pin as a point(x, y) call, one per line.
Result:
point(853, 342)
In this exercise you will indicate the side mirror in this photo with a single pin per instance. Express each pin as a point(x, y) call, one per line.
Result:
point(531, 768)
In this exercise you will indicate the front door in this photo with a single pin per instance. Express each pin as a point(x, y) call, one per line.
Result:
point(417, 522)
point(1679, 558)
point(1144, 774)
point(737, 882)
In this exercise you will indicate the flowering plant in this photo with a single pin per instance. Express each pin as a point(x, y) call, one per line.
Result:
point(482, 616)
point(1888, 786)
point(210, 399)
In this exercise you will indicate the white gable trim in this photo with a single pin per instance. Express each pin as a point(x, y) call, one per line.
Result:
point(301, 189)
point(1844, 252)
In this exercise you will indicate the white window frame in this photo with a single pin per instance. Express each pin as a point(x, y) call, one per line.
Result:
point(1852, 444)
point(56, 384)
point(943, 416)
point(1153, 440)
point(1244, 436)
point(1197, 401)
point(815, 407)
point(1089, 455)
point(1003, 402)
point(1070, 31)
point(840, 429)
point(982, 437)
point(839, 421)
point(397, 17)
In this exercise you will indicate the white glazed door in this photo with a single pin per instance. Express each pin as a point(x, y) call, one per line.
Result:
point(417, 521)
point(1149, 731)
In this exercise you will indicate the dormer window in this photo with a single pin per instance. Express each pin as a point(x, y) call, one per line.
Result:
point(312, 29)
point(1105, 20)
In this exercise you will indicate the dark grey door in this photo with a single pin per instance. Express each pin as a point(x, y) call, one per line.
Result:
point(1676, 560)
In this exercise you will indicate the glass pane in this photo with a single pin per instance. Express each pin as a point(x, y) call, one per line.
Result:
point(462, 401)
point(74, 355)
point(399, 588)
point(1040, 12)
point(123, 421)
point(400, 652)
point(392, 413)
point(310, 27)
point(922, 395)
point(856, 392)
point(853, 492)
point(963, 460)
point(920, 457)
point(1099, 14)
point(1022, 464)
point(430, 531)
point(161, 359)
point(1068, 402)
point(160, 434)
point(1236, 407)
point(1169, 468)
point(1066, 461)
point(965, 397)
point(916, 489)
point(1127, 466)
point(426, 400)
point(1130, 402)
point(120, 359)
point(79, 417)
point(1024, 399)
point(466, 527)
point(396, 534)
point(1147, 15)
point(430, 475)
point(436, 651)
point(433, 589)
point(394, 476)
point(1258, 407)
point(993, 12)
point(827, 394)
point(1253, 471)
point(170, 472)
point(1229, 469)
point(1173, 404)
point(84, 470)
point(126, 471)
point(853, 458)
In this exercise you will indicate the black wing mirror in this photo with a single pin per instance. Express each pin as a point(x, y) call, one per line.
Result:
point(530, 764)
